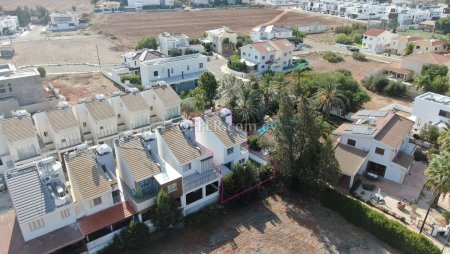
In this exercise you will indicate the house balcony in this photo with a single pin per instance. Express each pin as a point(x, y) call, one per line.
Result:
point(408, 148)
point(196, 180)
point(143, 202)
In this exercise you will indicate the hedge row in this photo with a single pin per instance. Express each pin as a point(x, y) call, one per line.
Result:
point(387, 230)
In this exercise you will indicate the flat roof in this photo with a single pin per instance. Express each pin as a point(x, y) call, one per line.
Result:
point(100, 110)
point(29, 196)
point(436, 98)
point(182, 148)
point(61, 119)
point(174, 59)
point(89, 179)
point(16, 129)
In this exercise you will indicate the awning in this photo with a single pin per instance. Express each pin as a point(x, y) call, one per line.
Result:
point(102, 219)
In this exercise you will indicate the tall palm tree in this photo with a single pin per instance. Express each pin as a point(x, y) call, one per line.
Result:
point(229, 85)
point(444, 139)
point(438, 174)
point(248, 108)
point(267, 89)
point(328, 97)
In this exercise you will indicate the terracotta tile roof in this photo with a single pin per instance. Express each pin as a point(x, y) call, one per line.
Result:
point(403, 159)
point(16, 129)
point(407, 38)
point(227, 135)
point(428, 58)
point(135, 102)
point(273, 45)
point(374, 32)
point(86, 176)
point(282, 44)
point(395, 131)
point(182, 148)
point(102, 219)
point(350, 159)
point(100, 110)
point(138, 161)
point(167, 95)
point(61, 119)
point(396, 67)
point(263, 47)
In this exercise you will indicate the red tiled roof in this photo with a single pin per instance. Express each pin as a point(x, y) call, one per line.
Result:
point(374, 32)
point(396, 67)
point(282, 44)
point(395, 131)
point(350, 159)
point(407, 38)
point(268, 46)
point(97, 221)
point(428, 58)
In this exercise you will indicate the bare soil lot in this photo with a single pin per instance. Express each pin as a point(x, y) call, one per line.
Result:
point(65, 50)
point(130, 27)
point(274, 225)
point(359, 70)
point(78, 86)
point(55, 5)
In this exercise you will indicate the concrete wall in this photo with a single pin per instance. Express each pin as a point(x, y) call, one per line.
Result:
point(26, 89)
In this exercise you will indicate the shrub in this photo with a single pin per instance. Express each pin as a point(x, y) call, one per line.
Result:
point(376, 83)
point(419, 155)
point(343, 39)
point(359, 56)
point(238, 180)
point(42, 71)
point(175, 52)
point(133, 237)
point(446, 216)
point(390, 231)
point(235, 64)
point(332, 57)
point(369, 186)
point(148, 43)
point(134, 79)
point(255, 143)
point(395, 88)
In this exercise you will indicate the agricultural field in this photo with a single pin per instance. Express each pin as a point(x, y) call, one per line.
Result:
point(83, 6)
point(130, 27)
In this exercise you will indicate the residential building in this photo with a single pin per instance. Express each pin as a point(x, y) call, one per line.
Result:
point(142, 172)
point(63, 21)
point(201, 179)
point(274, 55)
point(6, 50)
point(58, 130)
point(19, 88)
point(215, 132)
point(313, 28)
point(133, 59)
point(42, 202)
point(9, 25)
point(400, 43)
point(201, 3)
point(170, 43)
point(182, 72)
point(131, 110)
point(428, 25)
point(431, 108)
point(110, 6)
point(377, 40)
point(164, 102)
point(140, 4)
point(221, 40)
point(97, 120)
point(19, 142)
point(377, 142)
point(432, 45)
point(270, 32)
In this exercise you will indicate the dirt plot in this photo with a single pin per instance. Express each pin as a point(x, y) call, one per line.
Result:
point(359, 70)
point(54, 5)
point(275, 225)
point(63, 51)
point(130, 27)
point(78, 86)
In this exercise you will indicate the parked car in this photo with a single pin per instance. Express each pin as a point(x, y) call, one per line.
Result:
point(353, 48)
point(377, 198)
point(2, 183)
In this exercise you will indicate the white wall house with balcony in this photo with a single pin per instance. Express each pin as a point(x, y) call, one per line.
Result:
point(177, 41)
point(131, 110)
point(377, 40)
point(63, 21)
point(431, 108)
point(163, 101)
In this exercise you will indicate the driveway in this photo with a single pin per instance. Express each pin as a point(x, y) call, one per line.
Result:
point(214, 66)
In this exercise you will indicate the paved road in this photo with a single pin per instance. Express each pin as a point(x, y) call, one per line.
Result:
point(214, 66)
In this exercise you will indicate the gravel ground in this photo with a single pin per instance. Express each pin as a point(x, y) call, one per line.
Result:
point(275, 225)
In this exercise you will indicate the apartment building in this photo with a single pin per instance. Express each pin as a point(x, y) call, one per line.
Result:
point(63, 21)
point(140, 4)
point(9, 25)
point(400, 43)
point(270, 32)
point(19, 88)
point(97, 120)
point(171, 44)
point(431, 108)
point(377, 40)
point(201, 179)
point(215, 132)
point(221, 40)
point(376, 142)
point(164, 102)
point(181, 72)
point(313, 28)
point(142, 172)
point(275, 55)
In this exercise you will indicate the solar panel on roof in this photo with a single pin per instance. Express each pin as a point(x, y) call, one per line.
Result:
point(363, 130)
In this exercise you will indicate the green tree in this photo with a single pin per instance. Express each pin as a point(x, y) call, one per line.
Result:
point(42, 71)
point(444, 139)
point(188, 107)
point(433, 78)
point(229, 87)
point(343, 39)
point(42, 14)
point(132, 78)
point(430, 133)
point(208, 83)
point(297, 36)
point(134, 235)
point(167, 213)
point(329, 97)
point(199, 98)
point(241, 178)
point(443, 24)
point(23, 15)
point(148, 43)
point(248, 107)
point(409, 48)
point(438, 174)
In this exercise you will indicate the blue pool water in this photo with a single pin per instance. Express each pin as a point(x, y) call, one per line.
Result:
point(263, 129)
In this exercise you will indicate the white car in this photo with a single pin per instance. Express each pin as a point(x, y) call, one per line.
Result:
point(377, 198)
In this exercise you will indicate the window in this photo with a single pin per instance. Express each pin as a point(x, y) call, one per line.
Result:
point(1, 162)
point(96, 201)
point(243, 53)
point(63, 140)
point(200, 65)
point(151, 108)
point(351, 142)
point(379, 151)
point(45, 134)
point(187, 67)
point(230, 150)
point(262, 66)
point(263, 57)
point(444, 113)
point(65, 213)
point(206, 164)
point(118, 115)
point(285, 53)
point(2, 90)
point(101, 127)
point(171, 70)
point(37, 224)
point(256, 57)
point(417, 47)
point(10, 89)
point(155, 73)
point(84, 124)
point(186, 167)
point(172, 187)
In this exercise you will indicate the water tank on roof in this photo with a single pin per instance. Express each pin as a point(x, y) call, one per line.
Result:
point(148, 135)
point(127, 134)
point(47, 160)
point(168, 123)
point(81, 147)
point(63, 104)
point(82, 100)
point(103, 149)
point(100, 97)
point(186, 124)
point(224, 112)
point(116, 93)
point(133, 90)
point(21, 113)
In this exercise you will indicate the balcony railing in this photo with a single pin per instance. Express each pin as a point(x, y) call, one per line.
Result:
point(198, 179)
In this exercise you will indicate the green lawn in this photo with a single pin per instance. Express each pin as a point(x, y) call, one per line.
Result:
point(422, 34)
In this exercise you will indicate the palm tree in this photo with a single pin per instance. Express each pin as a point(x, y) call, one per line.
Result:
point(248, 108)
point(438, 174)
point(229, 87)
point(328, 97)
point(444, 139)
point(266, 89)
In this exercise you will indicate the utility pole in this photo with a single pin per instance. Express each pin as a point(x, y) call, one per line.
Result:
point(98, 56)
